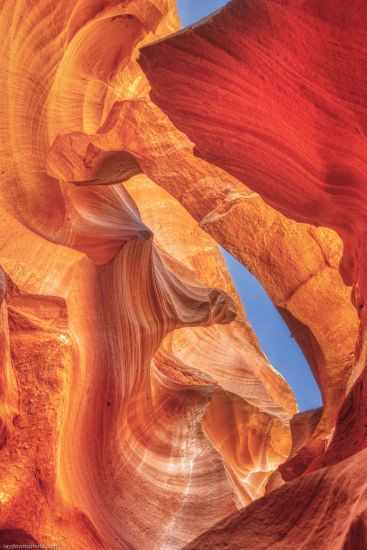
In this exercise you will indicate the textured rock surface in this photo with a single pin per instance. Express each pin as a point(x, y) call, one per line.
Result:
point(250, 64)
point(297, 264)
point(136, 407)
point(322, 518)
point(311, 157)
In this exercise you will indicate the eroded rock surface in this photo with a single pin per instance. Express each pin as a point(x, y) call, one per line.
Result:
point(137, 409)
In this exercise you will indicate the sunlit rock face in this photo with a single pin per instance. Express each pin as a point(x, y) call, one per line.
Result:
point(137, 409)
point(273, 93)
point(311, 512)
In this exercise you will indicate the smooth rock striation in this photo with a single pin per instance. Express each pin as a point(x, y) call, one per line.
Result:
point(137, 410)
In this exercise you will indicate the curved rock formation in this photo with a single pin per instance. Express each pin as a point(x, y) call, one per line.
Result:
point(304, 178)
point(249, 64)
point(306, 162)
point(119, 352)
point(321, 519)
point(263, 239)
point(297, 263)
point(136, 408)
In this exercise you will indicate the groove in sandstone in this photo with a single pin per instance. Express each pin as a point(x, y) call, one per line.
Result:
point(136, 407)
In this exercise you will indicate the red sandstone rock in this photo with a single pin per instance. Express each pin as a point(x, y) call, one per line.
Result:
point(323, 510)
point(281, 106)
point(264, 58)
point(136, 407)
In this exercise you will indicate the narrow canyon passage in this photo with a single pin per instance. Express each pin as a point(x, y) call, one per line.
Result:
point(182, 275)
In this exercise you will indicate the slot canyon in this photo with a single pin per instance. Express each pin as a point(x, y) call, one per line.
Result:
point(138, 410)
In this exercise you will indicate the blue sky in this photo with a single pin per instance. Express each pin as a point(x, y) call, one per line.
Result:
point(193, 10)
point(273, 334)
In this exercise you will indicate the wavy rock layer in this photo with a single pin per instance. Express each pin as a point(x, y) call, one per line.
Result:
point(321, 518)
point(231, 84)
point(136, 408)
point(310, 165)
point(297, 263)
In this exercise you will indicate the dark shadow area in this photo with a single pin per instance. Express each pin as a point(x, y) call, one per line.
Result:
point(16, 537)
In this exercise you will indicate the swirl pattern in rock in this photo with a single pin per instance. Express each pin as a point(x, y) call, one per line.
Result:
point(136, 407)
point(137, 410)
